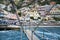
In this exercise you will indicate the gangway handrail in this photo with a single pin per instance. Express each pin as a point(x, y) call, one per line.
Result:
point(15, 8)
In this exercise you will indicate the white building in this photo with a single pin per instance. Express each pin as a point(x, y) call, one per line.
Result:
point(2, 6)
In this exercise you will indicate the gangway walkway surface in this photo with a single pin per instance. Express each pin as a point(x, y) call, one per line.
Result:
point(29, 35)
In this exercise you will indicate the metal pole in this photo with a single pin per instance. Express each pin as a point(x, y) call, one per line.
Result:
point(43, 35)
point(32, 35)
point(14, 7)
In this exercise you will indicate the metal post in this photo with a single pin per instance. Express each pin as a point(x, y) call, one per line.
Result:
point(43, 35)
point(32, 35)
point(14, 7)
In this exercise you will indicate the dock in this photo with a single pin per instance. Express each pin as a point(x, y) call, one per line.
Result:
point(9, 27)
point(14, 27)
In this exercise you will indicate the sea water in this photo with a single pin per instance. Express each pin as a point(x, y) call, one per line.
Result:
point(12, 35)
point(48, 33)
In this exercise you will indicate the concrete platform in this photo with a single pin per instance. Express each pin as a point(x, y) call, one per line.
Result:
point(9, 27)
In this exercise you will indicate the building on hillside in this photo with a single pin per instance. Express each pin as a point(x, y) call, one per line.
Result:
point(7, 18)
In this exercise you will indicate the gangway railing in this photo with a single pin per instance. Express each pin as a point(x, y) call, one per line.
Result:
point(15, 8)
point(21, 24)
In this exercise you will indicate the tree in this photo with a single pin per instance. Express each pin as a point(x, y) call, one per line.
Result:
point(56, 18)
point(19, 14)
point(1, 1)
point(32, 18)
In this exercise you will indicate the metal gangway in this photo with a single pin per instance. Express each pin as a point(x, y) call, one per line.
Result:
point(30, 29)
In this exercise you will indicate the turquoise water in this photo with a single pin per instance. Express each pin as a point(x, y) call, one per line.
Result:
point(12, 35)
point(48, 33)
point(52, 33)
